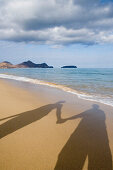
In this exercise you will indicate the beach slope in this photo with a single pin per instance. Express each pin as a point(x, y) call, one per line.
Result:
point(53, 130)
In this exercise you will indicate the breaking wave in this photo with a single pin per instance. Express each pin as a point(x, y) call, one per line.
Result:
point(96, 98)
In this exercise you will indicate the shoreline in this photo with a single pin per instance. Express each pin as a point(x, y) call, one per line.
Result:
point(79, 94)
point(40, 143)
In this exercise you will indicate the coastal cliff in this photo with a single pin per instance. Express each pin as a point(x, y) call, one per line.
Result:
point(26, 64)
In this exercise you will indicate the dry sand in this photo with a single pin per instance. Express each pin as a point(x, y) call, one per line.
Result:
point(39, 131)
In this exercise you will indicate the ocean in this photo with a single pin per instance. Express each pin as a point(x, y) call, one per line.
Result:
point(89, 84)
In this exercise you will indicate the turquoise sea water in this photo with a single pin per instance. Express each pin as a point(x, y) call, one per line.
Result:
point(89, 84)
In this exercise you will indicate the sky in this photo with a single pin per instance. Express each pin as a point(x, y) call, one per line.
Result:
point(58, 32)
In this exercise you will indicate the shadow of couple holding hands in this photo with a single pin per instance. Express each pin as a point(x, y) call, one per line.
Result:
point(89, 139)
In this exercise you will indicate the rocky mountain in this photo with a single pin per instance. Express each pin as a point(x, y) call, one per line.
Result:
point(30, 64)
point(6, 64)
point(26, 64)
point(69, 67)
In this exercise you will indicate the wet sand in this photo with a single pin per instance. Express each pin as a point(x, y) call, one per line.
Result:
point(44, 128)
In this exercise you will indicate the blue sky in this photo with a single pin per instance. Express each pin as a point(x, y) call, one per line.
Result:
point(81, 55)
point(58, 32)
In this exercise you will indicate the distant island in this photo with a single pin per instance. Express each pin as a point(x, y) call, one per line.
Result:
point(69, 67)
point(26, 64)
point(29, 64)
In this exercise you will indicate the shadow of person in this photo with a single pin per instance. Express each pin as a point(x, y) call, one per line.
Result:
point(23, 119)
point(90, 140)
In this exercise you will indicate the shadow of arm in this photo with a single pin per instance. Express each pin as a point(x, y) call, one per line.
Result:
point(75, 117)
point(58, 113)
point(60, 120)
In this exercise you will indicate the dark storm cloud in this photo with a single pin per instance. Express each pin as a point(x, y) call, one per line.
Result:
point(58, 22)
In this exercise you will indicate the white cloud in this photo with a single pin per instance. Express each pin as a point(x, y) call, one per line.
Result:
point(56, 22)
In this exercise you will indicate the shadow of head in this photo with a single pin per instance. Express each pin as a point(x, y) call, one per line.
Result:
point(60, 102)
point(95, 106)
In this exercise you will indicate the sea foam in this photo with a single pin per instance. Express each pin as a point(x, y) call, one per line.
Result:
point(81, 95)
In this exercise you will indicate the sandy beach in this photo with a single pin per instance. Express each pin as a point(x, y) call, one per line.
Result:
point(43, 128)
